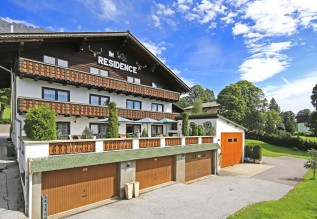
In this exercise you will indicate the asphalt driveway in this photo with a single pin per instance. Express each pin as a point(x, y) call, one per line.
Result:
point(213, 197)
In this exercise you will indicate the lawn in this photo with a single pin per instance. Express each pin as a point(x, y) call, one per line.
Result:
point(7, 114)
point(301, 202)
point(270, 150)
point(308, 138)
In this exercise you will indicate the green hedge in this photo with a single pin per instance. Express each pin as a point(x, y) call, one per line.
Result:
point(284, 141)
point(253, 152)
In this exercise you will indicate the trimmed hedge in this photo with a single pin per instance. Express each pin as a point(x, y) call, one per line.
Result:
point(253, 152)
point(289, 142)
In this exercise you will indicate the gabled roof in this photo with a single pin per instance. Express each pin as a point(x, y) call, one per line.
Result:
point(213, 104)
point(33, 37)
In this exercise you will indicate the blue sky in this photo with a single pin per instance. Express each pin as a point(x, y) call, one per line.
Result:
point(213, 43)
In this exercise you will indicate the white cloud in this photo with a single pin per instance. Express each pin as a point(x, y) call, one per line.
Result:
point(228, 19)
point(294, 95)
point(163, 13)
point(240, 29)
point(10, 20)
point(104, 9)
point(156, 20)
point(188, 82)
point(156, 49)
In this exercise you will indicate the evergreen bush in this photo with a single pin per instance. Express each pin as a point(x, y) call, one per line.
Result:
point(113, 125)
point(40, 124)
point(185, 130)
point(201, 131)
point(257, 152)
point(87, 133)
point(194, 130)
point(144, 133)
point(248, 151)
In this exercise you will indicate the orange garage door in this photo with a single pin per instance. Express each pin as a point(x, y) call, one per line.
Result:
point(198, 165)
point(231, 148)
point(72, 188)
point(154, 171)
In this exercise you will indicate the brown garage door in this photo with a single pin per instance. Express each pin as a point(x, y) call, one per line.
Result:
point(231, 148)
point(154, 171)
point(76, 187)
point(198, 165)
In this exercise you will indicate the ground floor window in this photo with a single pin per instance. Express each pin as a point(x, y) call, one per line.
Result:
point(156, 130)
point(98, 129)
point(63, 129)
point(133, 129)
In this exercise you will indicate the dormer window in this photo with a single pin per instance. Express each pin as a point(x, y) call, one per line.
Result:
point(55, 61)
point(98, 71)
point(134, 80)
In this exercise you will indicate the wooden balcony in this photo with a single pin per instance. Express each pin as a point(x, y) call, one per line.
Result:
point(40, 70)
point(86, 110)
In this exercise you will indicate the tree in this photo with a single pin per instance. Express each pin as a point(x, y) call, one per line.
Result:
point(194, 129)
point(273, 121)
point(313, 97)
point(185, 130)
point(210, 96)
point(274, 106)
point(288, 119)
point(4, 100)
point(197, 107)
point(201, 131)
point(197, 91)
point(112, 128)
point(183, 102)
point(312, 162)
point(312, 123)
point(40, 124)
point(256, 121)
point(304, 112)
point(232, 105)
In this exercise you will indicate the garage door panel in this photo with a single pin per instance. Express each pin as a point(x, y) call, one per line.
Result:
point(231, 148)
point(198, 165)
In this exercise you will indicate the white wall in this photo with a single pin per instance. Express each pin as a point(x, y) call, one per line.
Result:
point(29, 88)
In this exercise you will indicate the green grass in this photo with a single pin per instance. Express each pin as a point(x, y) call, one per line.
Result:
point(7, 113)
point(308, 138)
point(301, 202)
point(270, 150)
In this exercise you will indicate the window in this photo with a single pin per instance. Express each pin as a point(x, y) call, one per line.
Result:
point(134, 104)
point(156, 130)
point(98, 128)
point(55, 61)
point(134, 80)
point(63, 128)
point(194, 156)
point(156, 85)
point(235, 140)
point(133, 129)
point(55, 94)
point(98, 71)
point(99, 100)
point(157, 107)
point(229, 139)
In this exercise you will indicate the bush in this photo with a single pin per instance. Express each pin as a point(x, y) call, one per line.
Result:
point(185, 130)
point(87, 134)
point(144, 133)
point(40, 124)
point(194, 130)
point(112, 128)
point(132, 136)
point(209, 129)
point(257, 152)
point(201, 131)
point(248, 151)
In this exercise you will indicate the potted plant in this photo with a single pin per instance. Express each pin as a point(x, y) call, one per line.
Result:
point(257, 154)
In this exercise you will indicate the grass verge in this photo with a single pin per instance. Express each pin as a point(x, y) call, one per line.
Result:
point(270, 150)
point(301, 202)
point(308, 138)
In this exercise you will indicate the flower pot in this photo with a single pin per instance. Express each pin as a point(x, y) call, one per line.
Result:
point(257, 161)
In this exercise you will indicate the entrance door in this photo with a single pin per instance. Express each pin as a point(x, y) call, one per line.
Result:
point(231, 148)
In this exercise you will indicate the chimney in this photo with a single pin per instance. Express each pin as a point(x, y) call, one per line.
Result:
point(12, 29)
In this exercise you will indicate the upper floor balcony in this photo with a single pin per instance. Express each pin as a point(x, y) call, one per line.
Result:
point(86, 110)
point(53, 73)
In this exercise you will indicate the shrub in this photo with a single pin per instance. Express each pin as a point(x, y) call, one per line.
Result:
point(194, 130)
point(112, 128)
point(40, 124)
point(209, 129)
point(312, 162)
point(257, 152)
point(144, 133)
point(132, 136)
point(87, 133)
point(248, 151)
point(185, 130)
point(201, 131)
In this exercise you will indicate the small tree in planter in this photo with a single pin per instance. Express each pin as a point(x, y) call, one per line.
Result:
point(87, 133)
point(144, 133)
point(40, 124)
point(185, 124)
point(312, 162)
point(201, 131)
point(194, 130)
point(248, 153)
point(113, 126)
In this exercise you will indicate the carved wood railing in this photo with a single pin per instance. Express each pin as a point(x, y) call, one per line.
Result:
point(46, 71)
point(109, 145)
point(173, 141)
point(146, 143)
point(207, 140)
point(86, 110)
point(71, 147)
point(191, 140)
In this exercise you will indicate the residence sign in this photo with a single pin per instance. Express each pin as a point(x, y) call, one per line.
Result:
point(116, 64)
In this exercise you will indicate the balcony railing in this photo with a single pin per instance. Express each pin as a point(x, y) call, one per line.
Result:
point(36, 69)
point(86, 110)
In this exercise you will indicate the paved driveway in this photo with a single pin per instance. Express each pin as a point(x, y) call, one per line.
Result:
point(213, 197)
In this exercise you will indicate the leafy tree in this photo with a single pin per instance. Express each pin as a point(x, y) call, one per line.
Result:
point(40, 124)
point(313, 97)
point(197, 107)
point(183, 102)
point(304, 112)
point(112, 128)
point(185, 130)
point(197, 91)
point(273, 121)
point(256, 121)
point(288, 119)
point(312, 162)
point(232, 105)
point(273, 105)
point(4, 100)
point(210, 96)
point(312, 123)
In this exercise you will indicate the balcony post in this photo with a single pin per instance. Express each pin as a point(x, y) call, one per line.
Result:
point(162, 142)
point(183, 143)
point(98, 146)
point(135, 144)
point(200, 140)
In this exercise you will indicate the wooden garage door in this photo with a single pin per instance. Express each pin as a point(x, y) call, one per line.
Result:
point(231, 148)
point(154, 171)
point(198, 165)
point(76, 187)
